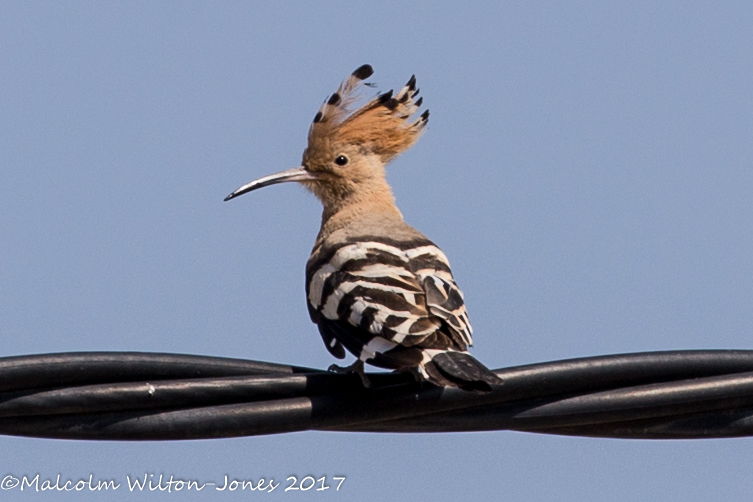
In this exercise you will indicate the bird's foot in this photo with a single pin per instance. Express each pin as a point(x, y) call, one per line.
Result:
point(356, 367)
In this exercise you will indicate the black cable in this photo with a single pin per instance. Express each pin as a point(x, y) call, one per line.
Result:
point(144, 396)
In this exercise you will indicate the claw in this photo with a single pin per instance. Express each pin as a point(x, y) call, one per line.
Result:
point(356, 367)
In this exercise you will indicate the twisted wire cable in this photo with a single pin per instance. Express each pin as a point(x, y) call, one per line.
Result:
point(154, 396)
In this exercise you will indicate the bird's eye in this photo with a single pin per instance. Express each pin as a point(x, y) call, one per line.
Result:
point(341, 160)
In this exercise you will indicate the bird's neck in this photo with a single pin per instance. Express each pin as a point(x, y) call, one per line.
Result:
point(368, 208)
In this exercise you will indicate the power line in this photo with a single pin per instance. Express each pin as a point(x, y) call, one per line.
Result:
point(149, 396)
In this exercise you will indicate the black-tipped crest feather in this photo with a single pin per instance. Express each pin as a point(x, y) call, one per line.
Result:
point(382, 125)
point(363, 72)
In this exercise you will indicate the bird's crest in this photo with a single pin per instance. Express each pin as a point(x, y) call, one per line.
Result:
point(384, 125)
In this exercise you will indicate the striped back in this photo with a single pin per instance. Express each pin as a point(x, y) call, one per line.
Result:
point(397, 294)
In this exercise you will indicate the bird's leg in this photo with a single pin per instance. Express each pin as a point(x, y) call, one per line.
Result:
point(356, 367)
point(417, 375)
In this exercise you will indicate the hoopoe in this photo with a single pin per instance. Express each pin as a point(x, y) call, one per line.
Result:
point(375, 285)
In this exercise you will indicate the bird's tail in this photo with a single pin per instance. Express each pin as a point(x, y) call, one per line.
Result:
point(451, 368)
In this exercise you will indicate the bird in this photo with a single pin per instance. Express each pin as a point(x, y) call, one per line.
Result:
point(375, 285)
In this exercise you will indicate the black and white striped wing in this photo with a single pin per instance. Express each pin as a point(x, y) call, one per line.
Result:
point(373, 297)
point(443, 297)
point(445, 300)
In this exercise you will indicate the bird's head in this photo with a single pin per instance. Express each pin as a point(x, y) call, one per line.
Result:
point(348, 149)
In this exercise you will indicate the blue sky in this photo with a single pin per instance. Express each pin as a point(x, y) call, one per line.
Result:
point(588, 169)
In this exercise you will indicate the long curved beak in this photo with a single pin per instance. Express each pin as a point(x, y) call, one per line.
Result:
point(295, 174)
